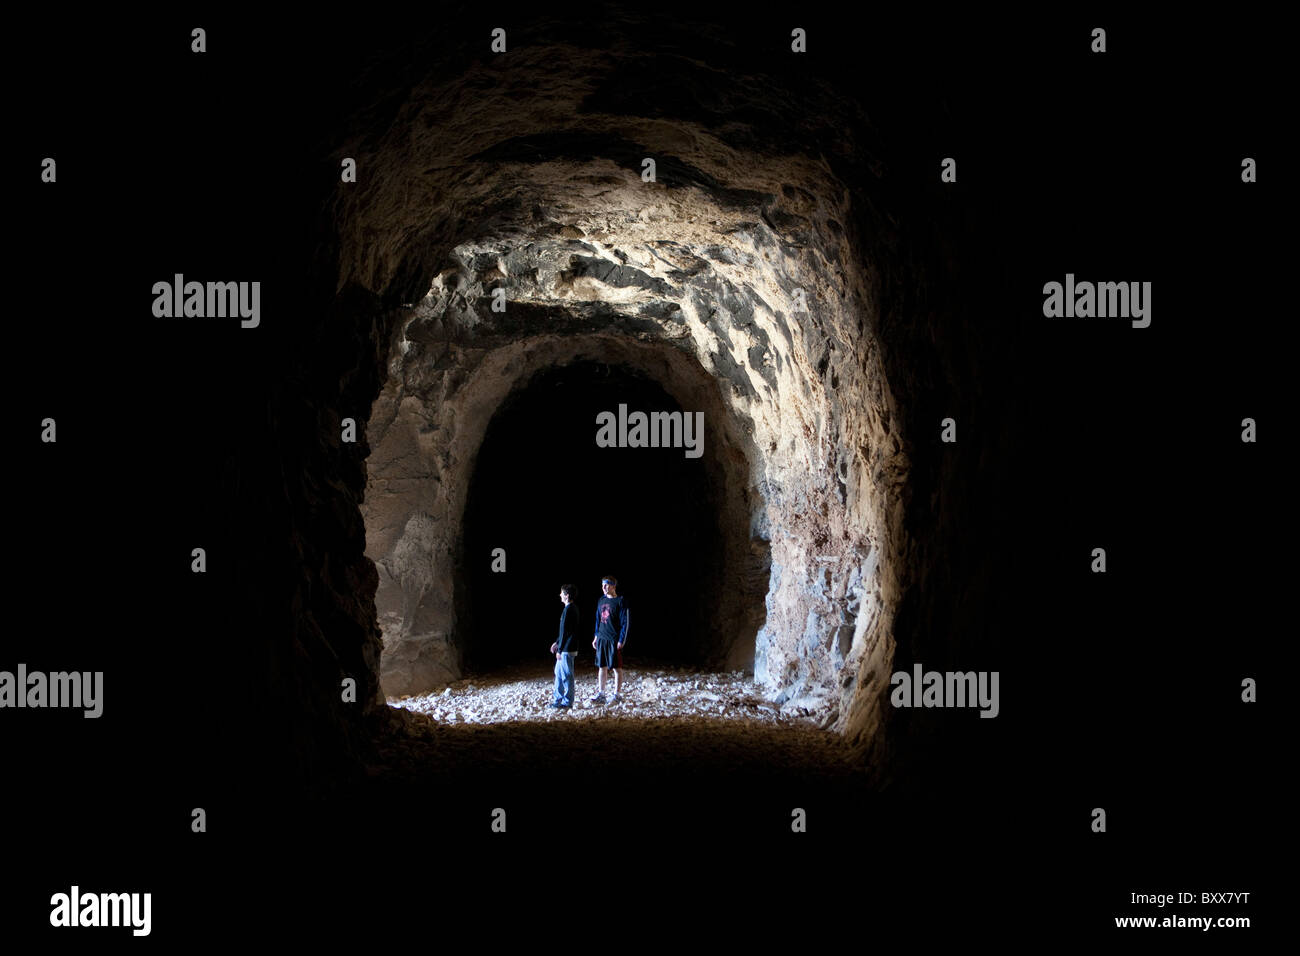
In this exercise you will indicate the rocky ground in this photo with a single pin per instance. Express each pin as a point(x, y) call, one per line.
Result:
point(523, 693)
point(487, 734)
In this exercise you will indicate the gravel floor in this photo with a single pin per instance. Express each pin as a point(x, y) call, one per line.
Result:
point(524, 693)
point(668, 721)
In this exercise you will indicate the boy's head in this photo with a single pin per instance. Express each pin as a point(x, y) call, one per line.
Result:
point(609, 584)
point(566, 593)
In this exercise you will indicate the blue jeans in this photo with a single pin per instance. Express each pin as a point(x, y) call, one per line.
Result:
point(564, 679)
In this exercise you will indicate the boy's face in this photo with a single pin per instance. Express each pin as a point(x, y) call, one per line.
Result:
point(609, 589)
point(564, 596)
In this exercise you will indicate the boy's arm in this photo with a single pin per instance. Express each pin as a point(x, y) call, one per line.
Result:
point(622, 634)
point(571, 633)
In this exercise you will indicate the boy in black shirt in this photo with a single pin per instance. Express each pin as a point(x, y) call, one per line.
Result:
point(611, 634)
point(565, 649)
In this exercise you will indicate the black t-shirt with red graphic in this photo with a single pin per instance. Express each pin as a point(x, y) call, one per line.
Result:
point(611, 619)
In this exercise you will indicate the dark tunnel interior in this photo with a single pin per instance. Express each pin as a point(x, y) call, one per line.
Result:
point(568, 511)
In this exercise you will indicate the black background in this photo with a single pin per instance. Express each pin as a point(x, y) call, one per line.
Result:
point(1119, 691)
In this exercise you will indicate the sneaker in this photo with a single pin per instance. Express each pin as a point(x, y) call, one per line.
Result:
point(598, 699)
point(615, 699)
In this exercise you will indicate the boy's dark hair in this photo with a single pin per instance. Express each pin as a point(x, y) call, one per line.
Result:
point(567, 589)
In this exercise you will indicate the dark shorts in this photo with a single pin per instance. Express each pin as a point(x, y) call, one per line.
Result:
point(608, 654)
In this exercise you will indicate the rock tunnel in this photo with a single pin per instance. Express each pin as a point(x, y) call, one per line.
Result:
point(585, 217)
point(700, 294)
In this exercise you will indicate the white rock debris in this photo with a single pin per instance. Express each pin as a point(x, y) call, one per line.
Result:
point(524, 694)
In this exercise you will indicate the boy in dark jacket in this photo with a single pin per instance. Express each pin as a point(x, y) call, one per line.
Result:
point(611, 635)
point(565, 649)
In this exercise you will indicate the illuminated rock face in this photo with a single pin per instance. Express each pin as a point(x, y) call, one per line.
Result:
point(731, 279)
point(772, 275)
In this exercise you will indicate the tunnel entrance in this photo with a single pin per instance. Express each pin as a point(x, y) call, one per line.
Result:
point(477, 450)
point(565, 510)
point(747, 285)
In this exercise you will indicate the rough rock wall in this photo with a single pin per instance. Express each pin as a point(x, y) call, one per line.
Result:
point(737, 258)
point(473, 175)
point(303, 583)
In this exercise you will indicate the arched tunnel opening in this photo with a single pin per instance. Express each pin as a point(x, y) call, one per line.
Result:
point(549, 506)
point(782, 430)
point(780, 268)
